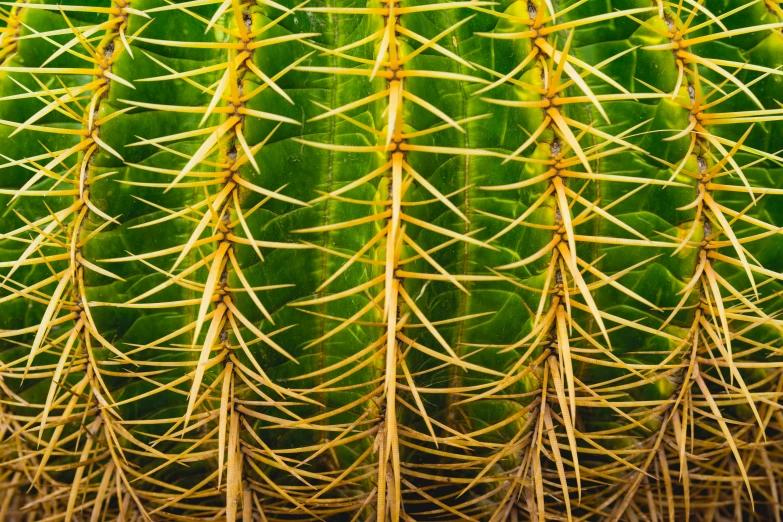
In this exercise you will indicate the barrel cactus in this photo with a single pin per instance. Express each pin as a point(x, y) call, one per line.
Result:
point(425, 260)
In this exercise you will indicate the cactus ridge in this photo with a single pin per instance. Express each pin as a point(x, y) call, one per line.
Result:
point(271, 260)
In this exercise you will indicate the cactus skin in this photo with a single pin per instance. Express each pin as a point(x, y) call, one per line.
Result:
point(372, 261)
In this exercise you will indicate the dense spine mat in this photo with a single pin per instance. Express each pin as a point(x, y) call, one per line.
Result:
point(270, 260)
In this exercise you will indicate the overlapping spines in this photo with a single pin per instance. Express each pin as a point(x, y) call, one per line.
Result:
point(687, 238)
point(54, 103)
point(575, 145)
point(453, 295)
point(419, 131)
point(130, 383)
point(689, 231)
point(227, 320)
point(733, 318)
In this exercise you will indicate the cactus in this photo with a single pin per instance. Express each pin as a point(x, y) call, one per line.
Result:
point(271, 260)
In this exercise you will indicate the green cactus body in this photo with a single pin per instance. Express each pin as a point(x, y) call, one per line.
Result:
point(426, 260)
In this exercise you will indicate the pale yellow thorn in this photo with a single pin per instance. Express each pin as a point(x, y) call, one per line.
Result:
point(247, 287)
point(186, 74)
point(524, 183)
point(449, 277)
point(173, 137)
point(267, 116)
point(352, 105)
point(393, 110)
point(567, 419)
point(282, 492)
point(210, 287)
point(431, 108)
point(193, 45)
point(575, 76)
point(186, 109)
point(353, 121)
point(684, 132)
point(110, 75)
point(710, 64)
point(159, 253)
point(426, 322)
point(34, 245)
point(532, 208)
point(280, 39)
point(354, 257)
point(258, 333)
point(531, 139)
point(212, 335)
point(243, 223)
point(221, 89)
point(113, 115)
point(558, 73)
point(734, 371)
point(293, 65)
point(612, 281)
point(205, 220)
point(565, 216)
point(106, 147)
point(533, 257)
point(46, 319)
point(565, 357)
point(54, 105)
point(417, 399)
point(270, 244)
point(603, 213)
point(385, 41)
point(724, 428)
point(245, 147)
point(556, 457)
point(434, 191)
point(181, 6)
point(172, 280)
point(569, 137)
point(356, 183)
point(97, 269)
point(358, 43)
point(345, 224)
point(438, 128)
point(125, 43)
point(56, 382)
point(347, 322)
point(516, 70)
point(726, 227)
point(446, 232)
point(428, 43)
point(203, 150)
point(584, 291)
point(267, 80)
point(622, 179)
point(224, 397)
point(340, 295)
point(592, 19)
point(44, 459)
